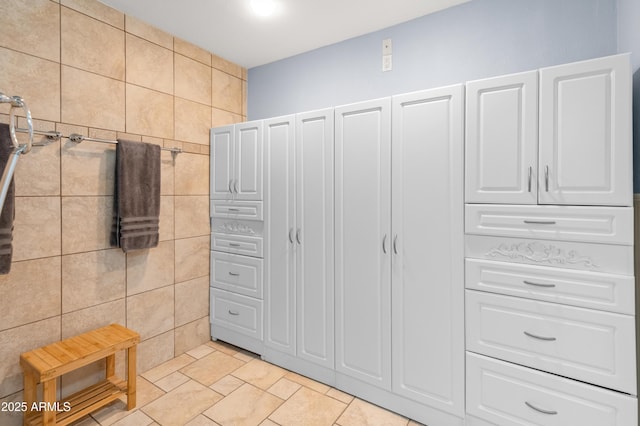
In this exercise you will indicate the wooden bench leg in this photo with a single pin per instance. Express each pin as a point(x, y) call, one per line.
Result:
point(111, 366)
point(131, 377)
point(29, 393)
point(49, 397)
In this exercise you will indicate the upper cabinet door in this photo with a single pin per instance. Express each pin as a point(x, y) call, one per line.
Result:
point(363, 241)
point(502, 139)
point(248, 165)
point(314, 217)
point(585, 133)
point(427, 248)
point(222, 158)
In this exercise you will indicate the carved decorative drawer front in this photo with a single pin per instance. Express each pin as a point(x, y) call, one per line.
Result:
point(616, 259)
point(237, 273)
point(237, 244)
point(508, 395)
point(236, 312)
point(588, 345)
point(251, 210)
point(609, 225)
point(602, 291)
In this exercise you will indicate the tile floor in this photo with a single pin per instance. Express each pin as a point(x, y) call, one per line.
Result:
point(219, 384)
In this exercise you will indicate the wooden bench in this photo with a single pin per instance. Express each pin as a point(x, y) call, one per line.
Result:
point(44, 365)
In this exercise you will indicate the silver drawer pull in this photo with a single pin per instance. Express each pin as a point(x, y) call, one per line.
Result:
point(233, 210)
point(548, 339)
point(540, 410)
point(540, 222)
point(234, 274)
point(530, 175)
point(234, 245)
point(538, 284)
point(233, 312)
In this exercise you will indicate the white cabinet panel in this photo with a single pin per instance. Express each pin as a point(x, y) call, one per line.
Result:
point(592, 346)
point(222, 152)
point(238, 313)
point(508, 395)
point(248, 185)
point(238, 244)
point(609, 225)
point(279, 147)
point(314, 218)
point(427, 247)
point(585, 132)
point(602, 291)
point(502, 139)
point(231, 209)
point(363, 241)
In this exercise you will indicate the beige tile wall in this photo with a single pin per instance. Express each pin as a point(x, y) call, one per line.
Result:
point(85, 68)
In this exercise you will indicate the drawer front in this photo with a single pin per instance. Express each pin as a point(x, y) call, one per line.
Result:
point(236, 312)
point(607, 292)
point(237, 273)
point(593, 346)
point(251, 210)
point(237, 244)
point(506, 394)
point(609, 225)
point(616, 259)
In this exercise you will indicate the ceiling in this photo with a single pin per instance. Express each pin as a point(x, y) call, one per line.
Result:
point(229, 29)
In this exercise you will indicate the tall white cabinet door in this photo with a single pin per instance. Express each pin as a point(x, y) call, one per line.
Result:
point(502, 139)
point(585, 133)
point(363, 241)
point(248, 172)
point(314, 236)
point(427, 246)
point(279, 234)
point(222, 149)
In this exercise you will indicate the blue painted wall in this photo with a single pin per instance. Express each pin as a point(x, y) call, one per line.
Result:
point(629, 41)
point(478, 39)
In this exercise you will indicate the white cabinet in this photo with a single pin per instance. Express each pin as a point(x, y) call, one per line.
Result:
point(299, 236)
point(502, 139)
point(427, 248)
point(585, 132)
point(236, 162)
point(579, 154)
point(363, 241)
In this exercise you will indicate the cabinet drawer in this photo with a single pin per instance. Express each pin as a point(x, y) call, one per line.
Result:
point(593, 346)
point(236, 209)
point(607, 292)
point(506, 394)
point(237, 244)
point(236, 312)
point(610, 225)
point(237, 273)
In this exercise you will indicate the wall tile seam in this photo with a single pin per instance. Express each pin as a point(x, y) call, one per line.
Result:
point(190, 57)
point(27, 54)
point(92, 306)
point(227, 110)
point(68, 7)
point(147, 290)
point(191, 322)
point(31, 323)
point(192, 101)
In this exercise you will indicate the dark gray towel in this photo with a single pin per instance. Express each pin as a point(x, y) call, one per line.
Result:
point(8, 211)
point(137, 196)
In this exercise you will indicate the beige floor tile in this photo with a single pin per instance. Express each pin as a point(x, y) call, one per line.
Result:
point(172, 381)
point(200, 351)
point(226, 385)
point(212, 368)
point(360, 412)
point(85, 421)
point(339, 395)
point(202, 420)
point(307, 407)
point(284, 388)
point(137, 418)
point(182, 404)
point(259, 373)
point(247, 405)
point(307, 382)
point(145, 393)
point(245, 356)
point(168, 367)
point(268, 422)
point(223, 347)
